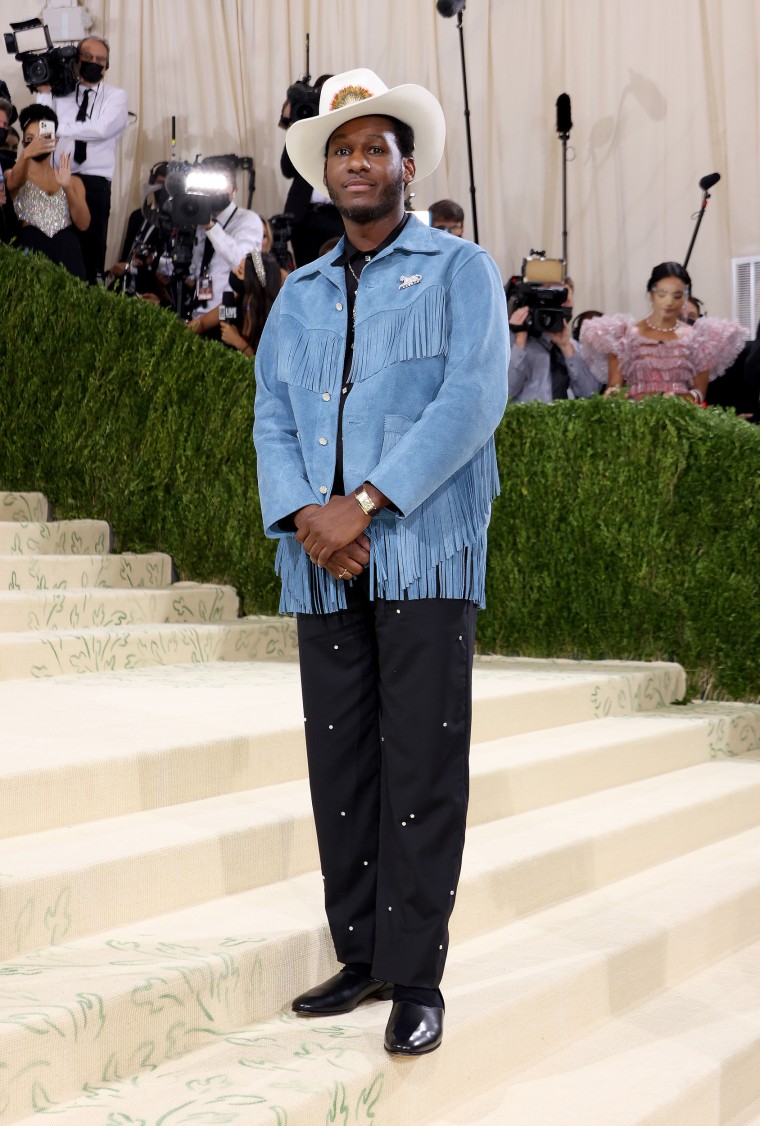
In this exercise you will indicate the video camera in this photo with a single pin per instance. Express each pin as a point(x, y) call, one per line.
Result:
point(192, 192)
point(542, 288)
point(304, 100)
point(44, 64)
point(302, 97)
point(282, 227)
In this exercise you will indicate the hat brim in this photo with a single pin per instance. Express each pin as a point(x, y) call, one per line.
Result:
point(306, 140)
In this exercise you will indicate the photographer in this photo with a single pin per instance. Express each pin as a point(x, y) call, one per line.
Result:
point(144, 244)
point(232, 233)
point(545, 366)
point(8, 222)
point(314, 219)
point(94, 116)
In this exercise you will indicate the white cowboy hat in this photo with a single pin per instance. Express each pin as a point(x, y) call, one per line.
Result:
point(360, 93)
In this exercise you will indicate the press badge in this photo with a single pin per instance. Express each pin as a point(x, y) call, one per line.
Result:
point(205, 289)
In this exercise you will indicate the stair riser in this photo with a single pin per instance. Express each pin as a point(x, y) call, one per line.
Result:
point(64, 537)
point(102, 609)
point(57, 572)
point(149, 781)
point(494, 795)
point(514, 891)
point(23, 507)
point(63, 907)
point(61, 653)
point(573, 701)
point(157, 1010)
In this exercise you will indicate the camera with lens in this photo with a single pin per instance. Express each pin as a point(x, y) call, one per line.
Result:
point(281, 231)
point(43, 65)
point(541, 287)
point(303, 99)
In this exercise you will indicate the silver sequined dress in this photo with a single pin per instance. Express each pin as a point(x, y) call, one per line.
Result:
point(49, 213)
point(47, 227)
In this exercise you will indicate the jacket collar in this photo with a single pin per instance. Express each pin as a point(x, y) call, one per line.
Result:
point(416, 236)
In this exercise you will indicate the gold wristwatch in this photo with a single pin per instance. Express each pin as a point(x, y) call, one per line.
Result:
point(365, 502)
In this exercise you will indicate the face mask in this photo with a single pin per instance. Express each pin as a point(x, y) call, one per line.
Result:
point(237, 285)
point(7, 159)
point(41, 157)
point(91, 72)
point(3, 135)
point(160, 196)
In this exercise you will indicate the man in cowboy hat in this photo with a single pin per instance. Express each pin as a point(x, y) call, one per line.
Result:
point(381, 377)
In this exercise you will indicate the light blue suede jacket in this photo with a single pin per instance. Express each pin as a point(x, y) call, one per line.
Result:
point(429, 388)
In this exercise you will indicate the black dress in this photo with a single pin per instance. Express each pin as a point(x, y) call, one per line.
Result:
point(45, 226)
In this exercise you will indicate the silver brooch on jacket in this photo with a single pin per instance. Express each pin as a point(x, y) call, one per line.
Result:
point(406, 282)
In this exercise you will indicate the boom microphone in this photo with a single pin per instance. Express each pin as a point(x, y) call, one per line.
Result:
point(564, 118)
point(447, 8)
point(710, 181)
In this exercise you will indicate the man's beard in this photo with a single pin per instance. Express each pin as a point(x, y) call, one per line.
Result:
point(387, 203)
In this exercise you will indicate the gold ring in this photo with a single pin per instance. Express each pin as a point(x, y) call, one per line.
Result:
point(343, 573)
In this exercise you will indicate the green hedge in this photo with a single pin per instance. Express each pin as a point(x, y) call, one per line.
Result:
point(115, 410)
point(624, 530)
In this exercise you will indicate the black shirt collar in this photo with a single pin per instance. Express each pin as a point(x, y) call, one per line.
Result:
point(349, 250)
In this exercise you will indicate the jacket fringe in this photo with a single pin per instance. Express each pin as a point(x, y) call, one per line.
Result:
point(311, 358)
point(413, 333)
point(438, 551)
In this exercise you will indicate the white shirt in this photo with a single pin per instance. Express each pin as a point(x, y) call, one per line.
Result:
point(234, 234)
point(106, 121)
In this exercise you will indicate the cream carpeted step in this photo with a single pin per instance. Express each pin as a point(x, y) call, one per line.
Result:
point(100, 875)
point(538, 768)
point(115, 743)
point(18, 507)
point(689, 1058)
point(82, 609)
point(133, 1002)
point(59, 652)
point(512, 690)
point(58, 537)
point(748, 1117)
point(57, 572)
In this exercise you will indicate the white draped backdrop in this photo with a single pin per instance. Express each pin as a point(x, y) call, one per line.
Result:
point(662, 93)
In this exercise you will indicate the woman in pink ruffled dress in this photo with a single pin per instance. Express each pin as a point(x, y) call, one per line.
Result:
point(661, 355)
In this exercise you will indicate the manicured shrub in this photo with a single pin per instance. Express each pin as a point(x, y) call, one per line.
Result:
point(624, 530)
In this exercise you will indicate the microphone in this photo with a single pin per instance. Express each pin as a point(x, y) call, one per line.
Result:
point(448, 8)
point(709, 181)
point(564, 118)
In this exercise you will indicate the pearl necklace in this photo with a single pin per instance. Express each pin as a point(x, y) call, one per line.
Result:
point(654, 328)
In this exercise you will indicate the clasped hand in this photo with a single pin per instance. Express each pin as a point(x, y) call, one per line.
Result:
point(333, 537)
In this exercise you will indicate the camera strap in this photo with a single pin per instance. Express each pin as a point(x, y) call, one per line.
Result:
point(209, 248)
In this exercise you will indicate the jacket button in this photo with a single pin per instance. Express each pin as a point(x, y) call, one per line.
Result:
point(323, 441)
point(339, 307)
point(326, 396)
point(323, 489)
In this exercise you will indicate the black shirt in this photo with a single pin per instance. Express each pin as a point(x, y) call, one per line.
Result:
point(353, 261)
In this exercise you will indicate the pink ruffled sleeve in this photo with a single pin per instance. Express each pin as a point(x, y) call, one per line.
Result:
point(715, 344)
point(602, 335)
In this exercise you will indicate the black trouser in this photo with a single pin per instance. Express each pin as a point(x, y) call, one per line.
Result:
point(97, 190)
point(387, 690)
